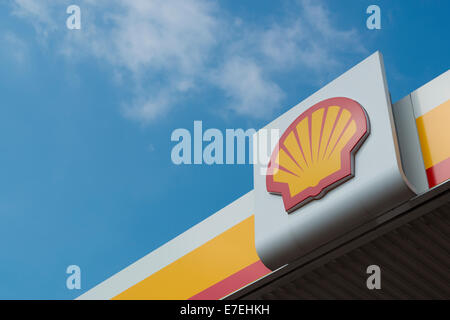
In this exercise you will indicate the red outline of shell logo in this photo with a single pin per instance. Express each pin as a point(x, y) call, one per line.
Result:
point(316, 152)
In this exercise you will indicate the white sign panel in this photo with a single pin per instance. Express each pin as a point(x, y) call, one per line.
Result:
point(336, 166)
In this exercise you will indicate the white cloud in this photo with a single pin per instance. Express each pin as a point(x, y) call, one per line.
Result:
point(17, 48)
point(163, 46)
point(167, 48)
point(251, 94)
point(309, 40)
point(37, 12)
point(157, 34)
point(146, 108)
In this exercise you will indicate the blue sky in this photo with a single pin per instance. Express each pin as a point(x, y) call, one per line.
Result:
point(86, 115)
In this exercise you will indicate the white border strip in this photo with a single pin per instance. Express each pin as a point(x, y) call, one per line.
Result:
point(431, 95)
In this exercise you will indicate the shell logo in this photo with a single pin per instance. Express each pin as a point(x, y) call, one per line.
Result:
point(316, 152)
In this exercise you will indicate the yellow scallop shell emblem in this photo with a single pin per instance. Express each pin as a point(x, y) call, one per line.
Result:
point(316, 151)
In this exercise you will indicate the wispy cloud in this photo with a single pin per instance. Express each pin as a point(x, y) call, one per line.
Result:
point(38, 13)
point(309, 40)
point(14, 47)
point(167, 48)
point(250, 92)
point(163, 47)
